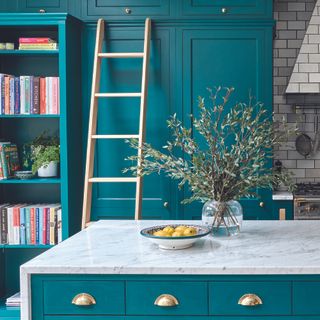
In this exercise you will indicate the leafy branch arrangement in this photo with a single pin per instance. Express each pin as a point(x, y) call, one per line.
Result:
point(227, 155)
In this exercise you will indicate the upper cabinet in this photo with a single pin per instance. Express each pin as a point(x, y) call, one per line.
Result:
point(46, 5)
point(125, 9)
point(248, 9)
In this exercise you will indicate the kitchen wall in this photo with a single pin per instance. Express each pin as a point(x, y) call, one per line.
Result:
point(292, 21)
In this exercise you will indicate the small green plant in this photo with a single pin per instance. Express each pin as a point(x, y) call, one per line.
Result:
point(227, 155)
point(41, 151)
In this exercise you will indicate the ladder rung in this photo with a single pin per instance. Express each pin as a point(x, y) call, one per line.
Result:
point(118, 95)
point(121, 55)
point(113, 180)
point(115, 136)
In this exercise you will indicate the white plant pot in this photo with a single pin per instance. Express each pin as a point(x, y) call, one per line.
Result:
point(49, 171)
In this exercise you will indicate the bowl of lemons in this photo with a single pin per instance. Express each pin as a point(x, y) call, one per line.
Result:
point(175, 236)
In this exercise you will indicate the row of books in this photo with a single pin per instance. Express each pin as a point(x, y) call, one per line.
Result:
point(29, 95)
point(39, 224)
point(37, 44)
point(9, 160)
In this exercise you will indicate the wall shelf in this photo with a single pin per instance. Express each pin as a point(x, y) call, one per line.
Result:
point(32, 116)
point(28, 52)
point(32, 181)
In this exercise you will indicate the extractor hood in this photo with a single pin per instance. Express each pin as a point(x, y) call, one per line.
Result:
point(305, 77)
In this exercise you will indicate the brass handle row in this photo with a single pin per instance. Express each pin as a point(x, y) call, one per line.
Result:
point(166, 300)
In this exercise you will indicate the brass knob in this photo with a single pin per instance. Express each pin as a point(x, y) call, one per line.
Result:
point(42, 11)
point(83, 299)
point(166, 300)
point(166, 204)
point(127, 10)
point(250, 300)
point(261, 204)
point(224, 10)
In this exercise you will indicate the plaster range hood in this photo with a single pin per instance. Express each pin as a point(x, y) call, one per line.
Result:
point(305, 77)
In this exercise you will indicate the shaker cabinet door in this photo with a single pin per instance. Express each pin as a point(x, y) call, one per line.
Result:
point(47, 5)
point(121, 116)
point(237, 56)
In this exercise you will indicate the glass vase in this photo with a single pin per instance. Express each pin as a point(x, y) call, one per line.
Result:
point(223, 218)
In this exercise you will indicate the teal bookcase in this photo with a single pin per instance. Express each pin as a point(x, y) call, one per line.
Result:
point(67, 188)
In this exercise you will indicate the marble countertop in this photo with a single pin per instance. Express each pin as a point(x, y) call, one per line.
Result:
point(282, 195)
point(116, 247)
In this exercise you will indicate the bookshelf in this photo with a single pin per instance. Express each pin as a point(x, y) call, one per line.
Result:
point(67, 188)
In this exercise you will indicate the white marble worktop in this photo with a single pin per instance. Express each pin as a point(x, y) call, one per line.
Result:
point(282, 195)
point(116, 247)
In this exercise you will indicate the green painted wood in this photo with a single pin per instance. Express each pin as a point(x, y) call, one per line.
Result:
point(305, 297)
point(181, 318)
point(282, 204)
point(109, 296)
point(224, 297)
point(47, 5)
point(22, 116)
point(32, 181)
point(192, 297)
point(29, 52)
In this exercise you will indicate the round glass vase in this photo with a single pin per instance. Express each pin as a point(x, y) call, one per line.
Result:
point(223, 218)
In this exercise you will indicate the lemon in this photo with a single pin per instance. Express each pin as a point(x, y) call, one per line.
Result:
point(168, 230)
point(177, 234)
point(161, 233)
point(189, 232)
point(180, 228)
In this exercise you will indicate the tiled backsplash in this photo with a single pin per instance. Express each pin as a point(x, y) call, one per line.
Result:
point(292, 21)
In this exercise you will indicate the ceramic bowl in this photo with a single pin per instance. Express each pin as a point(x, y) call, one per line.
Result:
point(24, 175)
point(174, 243)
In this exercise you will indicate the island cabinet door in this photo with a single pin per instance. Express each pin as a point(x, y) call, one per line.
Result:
point(235, 56)
point(121, 116)
point(306, 298)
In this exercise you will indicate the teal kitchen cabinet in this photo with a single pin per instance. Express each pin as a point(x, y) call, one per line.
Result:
point(282, 209)
point(121, 116)
point(47, 5)
point(235, 55)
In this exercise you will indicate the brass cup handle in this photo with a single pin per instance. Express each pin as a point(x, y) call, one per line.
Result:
point(224, 10)
point(42, 10)
point(261, 204)
point(250, 300)
point(166, 300)
point(84, 299)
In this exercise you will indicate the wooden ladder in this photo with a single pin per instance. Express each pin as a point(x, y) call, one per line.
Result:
point(92, 136)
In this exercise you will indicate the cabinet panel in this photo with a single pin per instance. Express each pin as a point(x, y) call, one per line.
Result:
point(237, 56)
point(128, 8)
point(228, 8)
point(306, 298)
point(48, 5)
point(121, 116)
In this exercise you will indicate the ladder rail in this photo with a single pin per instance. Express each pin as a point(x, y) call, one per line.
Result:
point(142, 120)
point(87, 198)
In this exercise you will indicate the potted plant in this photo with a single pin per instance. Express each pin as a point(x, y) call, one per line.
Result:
point(44, 153)
point(226, 156)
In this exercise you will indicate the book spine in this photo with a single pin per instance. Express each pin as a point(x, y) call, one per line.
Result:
point(28, 226)
point(12, 159)
point(48, 226)
point(11, 95)
point(35, 40)
point(42, 96)
point(27, 94)
point(47, 96)
point(59, 225)
point(52, 226)
point(10, 225)
point(22, 226)
point(3, 161)
point(4, 226)
point(58, 95)
point(1, 169)
point(31, 94)
point(40, 225)
point(36, 95)
point(16, 95)
point(22, 95)
point(44, 226)
point(7, 95)
point(55, 95)
point(16, 224)
point(1, 80)
point(38, 46)
point(33, 225)
point(37, 226)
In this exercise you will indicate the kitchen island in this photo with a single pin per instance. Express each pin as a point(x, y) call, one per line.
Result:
point(270, 271)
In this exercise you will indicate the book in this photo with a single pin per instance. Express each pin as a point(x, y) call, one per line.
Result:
point(28, 224)
point(2, 93)
point(31, 94)
point(38, 46)
point(37, 228)
point(3, 160)
point(10, 225)
point(22, 95)
point(11, 158)
point(32, 225)
point(16, 224)
point(54, 95)
point(59, 225)
point(22, 226)
point(11, 95)
point(7, 94)
point(16, 95)
point(36, 40)
point(42, 95)
point(36, 95)
point(27, 94)
point(48, 95)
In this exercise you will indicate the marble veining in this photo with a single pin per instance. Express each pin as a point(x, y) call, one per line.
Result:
point(116, 247)
point(282, 195)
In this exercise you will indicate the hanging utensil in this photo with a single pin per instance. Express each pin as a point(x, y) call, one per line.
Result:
point(304, 143)
point(317, 136)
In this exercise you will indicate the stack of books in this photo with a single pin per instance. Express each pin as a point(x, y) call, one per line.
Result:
point(29, 95)
point(37, 44)
point(9, 160)
point(14, 301)
point(23, 224)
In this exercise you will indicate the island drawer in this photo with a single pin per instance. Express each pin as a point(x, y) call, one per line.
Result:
point(224, 298)
point(306, 297)
point(98, 297)
point(182, 297)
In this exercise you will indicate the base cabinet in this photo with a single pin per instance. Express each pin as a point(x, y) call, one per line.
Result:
point(138, 297)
